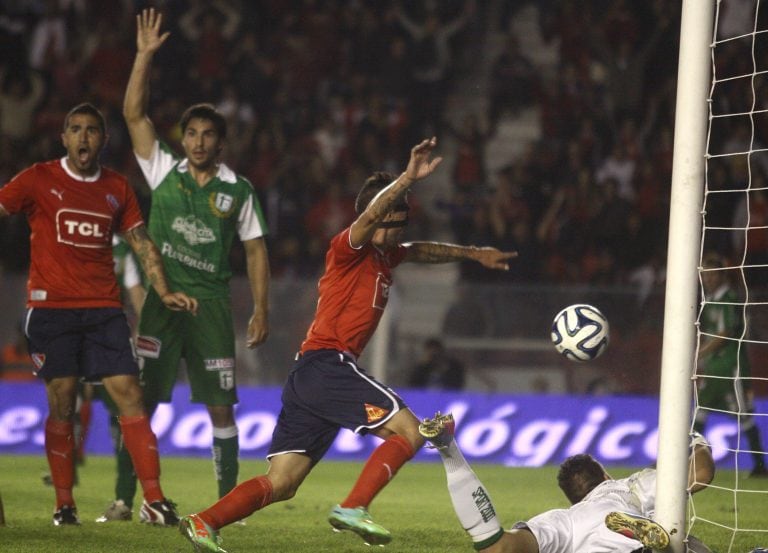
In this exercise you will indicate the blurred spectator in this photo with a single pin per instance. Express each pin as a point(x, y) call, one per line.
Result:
point(48, 44)
point(16, 364)
point(513, 81)
point(333, 210)
point(623, 58)
point(751, 214)
point(431, 51)
point(608, 225)
point(619, 167)
point(210, 27)
point(256, 71)
point(20, 96)
point(469, 160)
point(109, 64)
point(241, 120)
point(437, 368)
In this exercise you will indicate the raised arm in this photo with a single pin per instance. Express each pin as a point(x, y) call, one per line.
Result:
point(152, 263)
point(257, 264)
point(438, 252)
point(419, 167)
point(148, 41)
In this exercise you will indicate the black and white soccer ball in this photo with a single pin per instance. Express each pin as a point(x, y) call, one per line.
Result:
point(580, 332)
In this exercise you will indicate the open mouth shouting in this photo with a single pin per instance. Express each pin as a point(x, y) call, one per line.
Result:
point(84, 156)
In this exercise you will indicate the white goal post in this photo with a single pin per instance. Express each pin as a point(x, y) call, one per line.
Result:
point(677, 361)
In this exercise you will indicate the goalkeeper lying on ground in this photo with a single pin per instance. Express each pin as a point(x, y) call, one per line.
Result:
point(606, 515)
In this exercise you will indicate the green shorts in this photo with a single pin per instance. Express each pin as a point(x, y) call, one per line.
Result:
point(206, 342)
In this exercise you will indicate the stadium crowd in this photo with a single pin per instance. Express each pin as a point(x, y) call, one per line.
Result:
point(320, 93)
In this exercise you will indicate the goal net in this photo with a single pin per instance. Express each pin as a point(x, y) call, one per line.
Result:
point(731, 367)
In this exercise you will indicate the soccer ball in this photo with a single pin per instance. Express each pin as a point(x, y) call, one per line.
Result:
point(580, 332)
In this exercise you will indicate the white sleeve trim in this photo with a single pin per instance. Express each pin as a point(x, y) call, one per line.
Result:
point(248, 223)
point(157, 166)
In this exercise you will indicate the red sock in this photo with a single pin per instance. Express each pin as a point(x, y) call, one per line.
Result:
point(242, 501)
point(380, 468)
point(59, 442)
point(85, 425)
point(141, 444)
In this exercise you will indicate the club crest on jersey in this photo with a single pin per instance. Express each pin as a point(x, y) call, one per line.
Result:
point(381, 292)
point(84, 229)
point(38, 359)
point(375, 413)
point(194, 230)
point(113, 203)
point(222, 205)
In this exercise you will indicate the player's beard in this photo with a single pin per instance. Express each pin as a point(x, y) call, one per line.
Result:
point(204, 163)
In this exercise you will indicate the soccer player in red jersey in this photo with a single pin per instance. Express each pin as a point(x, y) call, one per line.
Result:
point(75, 323)
point(327, 390)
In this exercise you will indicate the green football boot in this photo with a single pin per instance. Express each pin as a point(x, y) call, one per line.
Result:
point(203, 537)
point(359, 521)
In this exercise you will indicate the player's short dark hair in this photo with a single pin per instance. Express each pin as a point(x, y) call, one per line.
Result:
point(87, 108)
point(207, 112)
point(372, 186)
point(579, 475)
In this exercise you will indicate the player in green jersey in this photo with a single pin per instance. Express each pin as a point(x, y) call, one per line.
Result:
point(724, 373)
point(199, 206)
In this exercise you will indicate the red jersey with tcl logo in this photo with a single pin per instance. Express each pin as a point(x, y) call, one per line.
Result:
point(353, 294)
point(72, 221)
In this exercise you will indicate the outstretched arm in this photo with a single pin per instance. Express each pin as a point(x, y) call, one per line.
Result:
point(419, 167)
point(148, 41)
point(152, 263)
point(437, 252)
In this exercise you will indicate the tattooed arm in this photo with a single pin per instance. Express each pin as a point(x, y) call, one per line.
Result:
point(152, 264)
point(419, 167)
point(438, 252)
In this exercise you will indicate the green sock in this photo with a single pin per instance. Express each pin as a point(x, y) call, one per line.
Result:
point(225, 458)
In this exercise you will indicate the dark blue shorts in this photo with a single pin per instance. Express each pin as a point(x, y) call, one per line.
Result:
point(90, 343)
point(327, 391)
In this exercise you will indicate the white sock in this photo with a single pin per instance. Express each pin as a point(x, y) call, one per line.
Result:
point(470, 500)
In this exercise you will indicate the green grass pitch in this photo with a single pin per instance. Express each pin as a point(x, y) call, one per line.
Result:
point(415, 507)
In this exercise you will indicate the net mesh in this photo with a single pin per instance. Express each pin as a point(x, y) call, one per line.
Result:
point(732, 348)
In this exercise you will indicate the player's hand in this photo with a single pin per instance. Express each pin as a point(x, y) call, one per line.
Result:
point(493, 258)
point(148, 37)
point(179, 301)
point(420, 166)
point(258, 330)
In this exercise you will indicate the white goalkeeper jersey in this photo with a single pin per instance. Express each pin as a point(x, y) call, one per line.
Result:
point(581, 528)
